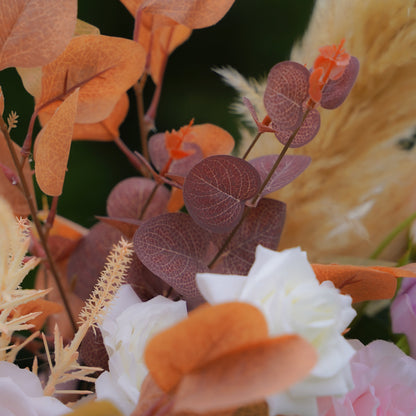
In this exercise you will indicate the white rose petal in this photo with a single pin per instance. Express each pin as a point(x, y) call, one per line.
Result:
point(126, 329)
point(21, 394)
point(284, 286)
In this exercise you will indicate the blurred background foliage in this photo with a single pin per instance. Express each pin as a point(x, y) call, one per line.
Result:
point(251, 38)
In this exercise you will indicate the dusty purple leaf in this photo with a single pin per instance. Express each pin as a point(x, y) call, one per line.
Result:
point(336, 91)
point(260, 126)
point(174, 248)
point(88, 260)
point(286, 90)
point(160, 156)
point(127, 226)
point(308, 130)
point(216, 189)
point(263, 225)
point(128, 197)
point(92, 351)
point(290, 167)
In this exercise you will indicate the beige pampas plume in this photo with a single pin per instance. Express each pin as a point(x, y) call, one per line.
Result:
point(14, 243)
point(66, 366)
point(361, 182)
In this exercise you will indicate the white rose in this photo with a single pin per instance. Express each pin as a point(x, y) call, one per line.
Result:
point(126, 329)
point(21, 394)
point(284, 286)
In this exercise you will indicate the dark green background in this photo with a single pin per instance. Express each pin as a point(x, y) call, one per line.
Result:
point(252, 37)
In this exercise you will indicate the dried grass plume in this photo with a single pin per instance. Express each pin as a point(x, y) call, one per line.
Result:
point(361, 182)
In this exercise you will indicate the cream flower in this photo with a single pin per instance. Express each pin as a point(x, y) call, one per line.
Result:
point(283, 285)
point(126, 329)
point(21, 394)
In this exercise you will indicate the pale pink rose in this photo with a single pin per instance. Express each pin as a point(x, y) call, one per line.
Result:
point(403, 313)
point(385, 384)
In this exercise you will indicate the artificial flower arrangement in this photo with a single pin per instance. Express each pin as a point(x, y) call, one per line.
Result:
point(179, 301)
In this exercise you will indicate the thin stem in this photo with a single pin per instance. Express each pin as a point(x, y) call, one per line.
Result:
point(143, 125)
point(152, 110)
point(35, 219)
point(149, 200)
point(258, 195)
point(229, 238)
point(279, 159)
point(252, 144)
point(131, 157)
point(402, 226)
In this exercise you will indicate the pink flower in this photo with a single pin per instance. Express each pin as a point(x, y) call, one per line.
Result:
point(385, 384)
point(403, 313)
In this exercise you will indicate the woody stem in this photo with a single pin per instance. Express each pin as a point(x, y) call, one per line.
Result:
point(33, 211)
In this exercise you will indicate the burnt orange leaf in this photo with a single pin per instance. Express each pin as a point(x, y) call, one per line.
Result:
point(208, 333)
point(105, 130)
point(195, 14)
point(52, 147)
point(160, 36)
point(409, 270)
point(212, 140)
point(39, 305)
point(176, 201)
point(165, 39)
point(9, 191)
point(103, 67)
point(34, 32)
point(246, 375)
point(361, 283)
point(63, 227)
point(96, 408)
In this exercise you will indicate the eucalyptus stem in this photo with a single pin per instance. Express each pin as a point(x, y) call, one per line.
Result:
point(262, 187)
point(229, 238)
point(402, 226)
point(35, 219)
point(252, 145)
point(149, 200)
point(143, 125)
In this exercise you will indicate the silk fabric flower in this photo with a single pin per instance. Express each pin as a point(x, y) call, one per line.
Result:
point(283, 285)
point(126, 329)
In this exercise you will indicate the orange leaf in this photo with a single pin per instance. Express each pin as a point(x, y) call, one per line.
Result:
point(105, 130)
point(246, 375)
point(103, 67)
point(9, 191)
point(39, 305)
point(361, 283)
point(208, 333)
point(34, 32)
point(176, 200)
point(212, 140)
point(63, 227)
point(165, 35)
point(195, 14)
point(52, 147)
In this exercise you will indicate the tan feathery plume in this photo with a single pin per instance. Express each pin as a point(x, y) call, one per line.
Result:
point(361, 183)
point(66, 366)
point(14, 243)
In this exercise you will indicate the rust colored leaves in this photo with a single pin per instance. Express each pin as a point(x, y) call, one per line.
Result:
point(222, 358)
point(34, 32)
point(52, 147)
point(102, 67)
point(362, 283)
